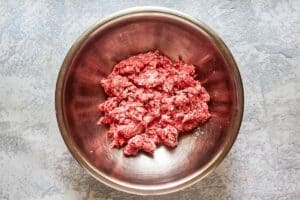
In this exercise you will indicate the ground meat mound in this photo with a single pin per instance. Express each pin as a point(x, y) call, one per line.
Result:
point(151, 100)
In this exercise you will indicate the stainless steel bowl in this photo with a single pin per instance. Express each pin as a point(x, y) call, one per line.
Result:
point(126, 33)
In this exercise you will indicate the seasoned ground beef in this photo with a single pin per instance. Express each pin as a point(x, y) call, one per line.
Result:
point(151, 100)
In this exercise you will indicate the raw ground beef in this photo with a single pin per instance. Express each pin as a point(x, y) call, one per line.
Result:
point(151, 101)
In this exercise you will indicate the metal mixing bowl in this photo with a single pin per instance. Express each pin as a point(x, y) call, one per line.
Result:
point(127, 33)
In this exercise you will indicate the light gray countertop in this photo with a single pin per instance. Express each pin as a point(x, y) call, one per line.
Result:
point(264, 37)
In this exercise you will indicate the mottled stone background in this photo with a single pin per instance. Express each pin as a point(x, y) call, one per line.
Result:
point(264, 37)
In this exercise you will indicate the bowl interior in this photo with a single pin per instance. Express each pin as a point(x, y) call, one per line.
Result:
point(93, 58)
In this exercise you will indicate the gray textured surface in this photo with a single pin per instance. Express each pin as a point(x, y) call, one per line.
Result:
point(264, 38)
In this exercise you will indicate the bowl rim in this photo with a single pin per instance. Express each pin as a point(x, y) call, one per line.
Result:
point(137, 188)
